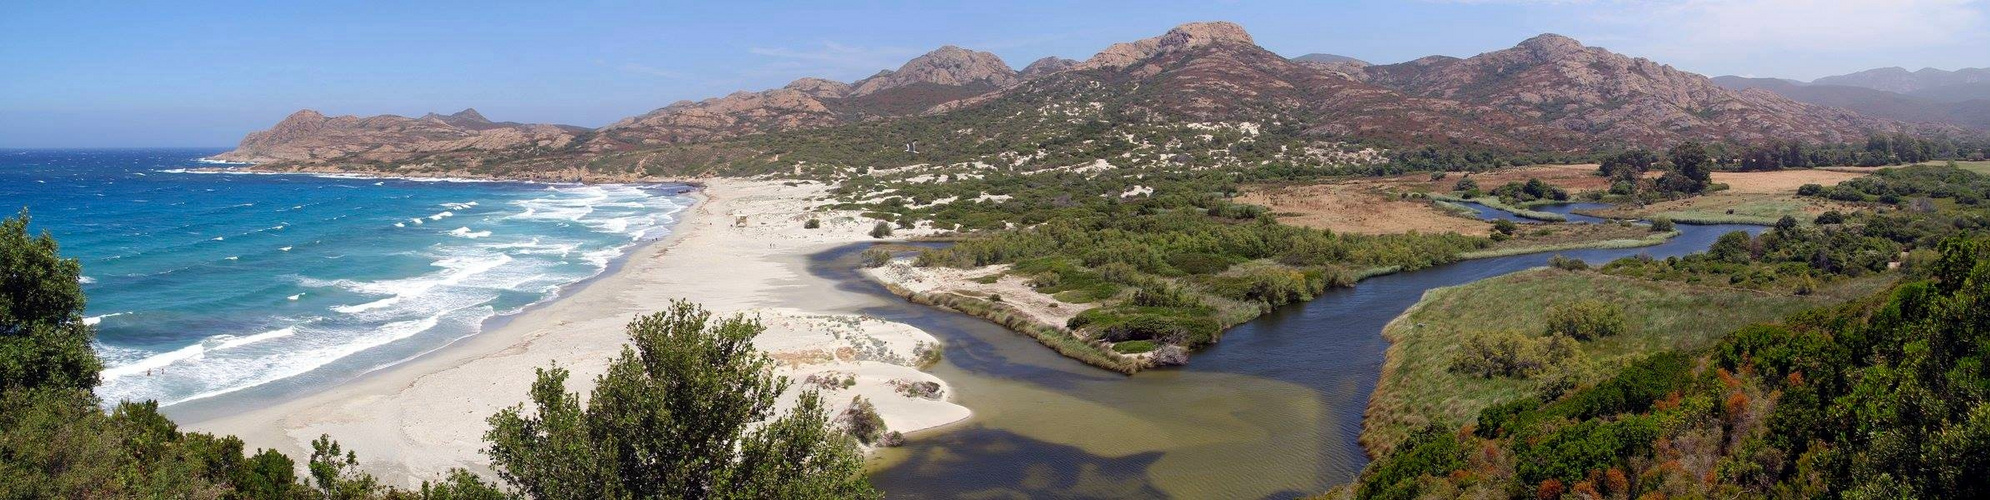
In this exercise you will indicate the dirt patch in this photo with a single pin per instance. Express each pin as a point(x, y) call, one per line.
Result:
point(1363, 206)
point(1781, 181)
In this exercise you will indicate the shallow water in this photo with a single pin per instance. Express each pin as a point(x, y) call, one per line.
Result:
point(209, 284)
point(1273, 411)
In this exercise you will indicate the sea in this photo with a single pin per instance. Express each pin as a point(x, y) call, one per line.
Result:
point(201, 284)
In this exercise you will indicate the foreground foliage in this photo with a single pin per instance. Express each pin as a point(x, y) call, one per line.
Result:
point(1881, 398)
point(673, 418)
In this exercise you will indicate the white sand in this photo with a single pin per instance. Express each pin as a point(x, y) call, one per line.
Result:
point(416, 420)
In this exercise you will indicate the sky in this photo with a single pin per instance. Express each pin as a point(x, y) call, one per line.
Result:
point(191, 73)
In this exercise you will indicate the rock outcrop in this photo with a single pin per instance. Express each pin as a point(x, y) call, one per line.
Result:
point(948, 66)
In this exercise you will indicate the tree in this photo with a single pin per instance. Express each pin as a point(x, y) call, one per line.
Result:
point(1692, 168)
point(1628, 165)
point(43, 340)
point(672, 418)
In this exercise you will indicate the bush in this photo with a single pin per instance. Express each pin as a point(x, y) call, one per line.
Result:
point(1829, 217)
point(812, 223)
point(862, 421)
point(875, 257)
point(1661, 225)
point(1505, 227)
point(1567, 264)
point(1510, 354)
point(1134, 346)
point(1586, 320)
point(881, 230)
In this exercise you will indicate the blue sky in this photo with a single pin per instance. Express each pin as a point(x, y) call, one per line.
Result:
point(90, 74)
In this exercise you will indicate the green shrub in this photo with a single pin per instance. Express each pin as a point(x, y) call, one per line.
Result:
point(1567, 264)
point(1134, 346)
point(1511, 354)
point(1586, 320)
point(881, 230)
point(812, 223)
point(1661, 225)
point(875, 257)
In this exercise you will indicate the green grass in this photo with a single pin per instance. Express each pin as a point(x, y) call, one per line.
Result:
point(1653, 239)
point(1981, 167)
point(1748, 209)
point(1492, 201)
point(1417, 387)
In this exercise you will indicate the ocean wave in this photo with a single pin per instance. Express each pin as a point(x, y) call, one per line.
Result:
point(465, 232)
point(93, 320)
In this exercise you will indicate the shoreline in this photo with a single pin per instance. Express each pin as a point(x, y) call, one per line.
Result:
point(415, 420)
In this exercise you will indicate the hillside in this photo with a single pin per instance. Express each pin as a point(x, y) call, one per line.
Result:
point(1548, 95)
point(309, 136)
point(1900, 80)
point(1872, 102)
point(1612, 98)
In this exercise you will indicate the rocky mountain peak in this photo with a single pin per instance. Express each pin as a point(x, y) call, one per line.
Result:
point(1206, 33)
point(1047, 66)
point(1550, 45)
point(819, 88)
point(469, 114)
point(1184, 37)
point(948, 65)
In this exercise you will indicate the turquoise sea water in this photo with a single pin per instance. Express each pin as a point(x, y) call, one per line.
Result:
point(202, 284)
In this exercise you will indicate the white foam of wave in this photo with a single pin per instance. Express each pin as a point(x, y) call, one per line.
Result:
point(234, 257)
point(360, 308)
point(218, 238)
point(153, 362)
point(231, 341)
point(295, 297)
point(465, 232)
point(440, 216)
point(459, 206)
point(93, 320)
point(86, 280)
point(284, 249)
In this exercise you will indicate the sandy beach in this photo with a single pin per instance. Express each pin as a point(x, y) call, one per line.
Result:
point(741, 249)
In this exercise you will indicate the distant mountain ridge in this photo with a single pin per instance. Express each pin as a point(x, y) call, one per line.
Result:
point(1546, 93)
point(1960, 97)
point(1897, 79)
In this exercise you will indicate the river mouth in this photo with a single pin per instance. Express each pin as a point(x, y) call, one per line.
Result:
point(1272, 411)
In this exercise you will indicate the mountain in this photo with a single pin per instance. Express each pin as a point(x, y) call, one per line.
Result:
point(311, 137)
point(1612, 98)
point(1900, 80)
point(1329, 59)
point(1046, 66)
point(1964, 110)
point(950, 66)
point(1215, 72)
point(1955, 93)
point(944, 75)
point(1549, 94)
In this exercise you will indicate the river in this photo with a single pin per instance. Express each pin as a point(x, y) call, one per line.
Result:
point(1272, 411)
